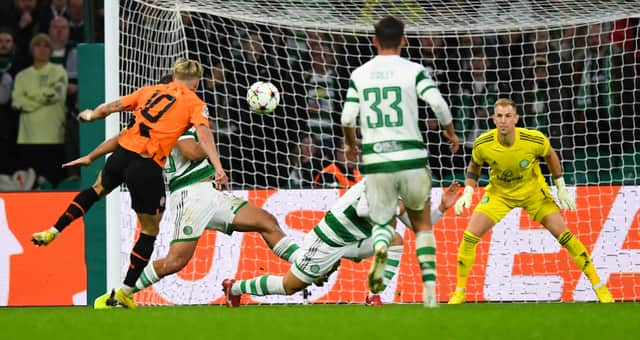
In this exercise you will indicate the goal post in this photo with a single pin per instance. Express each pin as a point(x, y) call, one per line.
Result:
point(571, 67)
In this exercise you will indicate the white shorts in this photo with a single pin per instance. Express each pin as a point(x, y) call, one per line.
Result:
point(383, 190)
point(200, 206)
point(317, 257)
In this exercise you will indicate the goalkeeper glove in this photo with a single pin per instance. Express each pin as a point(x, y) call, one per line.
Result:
point(566, 201)
point(465, 200)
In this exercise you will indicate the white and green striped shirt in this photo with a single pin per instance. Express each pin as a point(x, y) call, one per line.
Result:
point(182, 172)
point(342, 225)
point(384, 92)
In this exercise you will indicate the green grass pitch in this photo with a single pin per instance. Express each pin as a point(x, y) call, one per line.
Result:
point(469, 321)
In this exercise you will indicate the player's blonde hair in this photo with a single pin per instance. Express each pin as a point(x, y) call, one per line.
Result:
point(505, 102)
point(185, 69)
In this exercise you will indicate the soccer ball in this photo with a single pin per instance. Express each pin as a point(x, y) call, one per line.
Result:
point(263, 97)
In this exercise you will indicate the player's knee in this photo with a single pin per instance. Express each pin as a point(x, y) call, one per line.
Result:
point(149, 226)
point(99, 189)
point(269, 223)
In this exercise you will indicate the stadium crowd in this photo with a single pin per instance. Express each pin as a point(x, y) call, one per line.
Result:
point(39, 92)
point(578, 85)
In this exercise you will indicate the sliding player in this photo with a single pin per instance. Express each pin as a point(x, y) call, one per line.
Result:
point(341, 233)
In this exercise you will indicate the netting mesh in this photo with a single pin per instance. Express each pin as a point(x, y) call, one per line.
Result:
point(571, 66)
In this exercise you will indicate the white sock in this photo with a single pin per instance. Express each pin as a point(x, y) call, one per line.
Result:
point(261, 285)
point(286, 249)
point(147, 278)
point(426, 252)
point(393, 263)
point(382, 235)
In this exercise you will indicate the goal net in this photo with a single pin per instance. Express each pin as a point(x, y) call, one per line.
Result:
point(569, 65)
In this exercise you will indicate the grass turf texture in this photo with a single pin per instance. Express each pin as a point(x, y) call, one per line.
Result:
point(470, 321)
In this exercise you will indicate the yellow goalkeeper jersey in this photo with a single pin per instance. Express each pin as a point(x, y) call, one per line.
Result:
point(514, 171)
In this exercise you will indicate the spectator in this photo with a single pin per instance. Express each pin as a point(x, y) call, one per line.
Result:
point(39, 96)
point(24, 20)
point(432, 54)
point(54, 9)
point(305, 164)
point(342, 173)
point(65, 54)
point(76, 20)
point(510, 65)
point(605, 90)
point(256, 146)
point(322, 89)
point(540, 44)
point(475, 101)
point(9, 67)
point(572, 52)
point(625, 35)
point(541, 109)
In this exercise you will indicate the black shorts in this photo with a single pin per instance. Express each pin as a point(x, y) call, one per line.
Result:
point(143, 177)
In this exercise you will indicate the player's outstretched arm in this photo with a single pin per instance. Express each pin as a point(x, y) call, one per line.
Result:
point(104, 148)
point(450, 134)
point(206, 141)
point(102, 111)
point(350, 142)
point(553, 163)
point(440, 107)
point(471, 182)
point(449, 197)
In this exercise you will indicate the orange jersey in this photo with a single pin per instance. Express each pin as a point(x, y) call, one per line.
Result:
point(162, 114)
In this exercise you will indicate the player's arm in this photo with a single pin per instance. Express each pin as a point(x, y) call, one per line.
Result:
point(190, 149)
point(104, 148)
point(348, 119)
point(102, 111)
point(208, 145)
point(553, 163)
point(428, 91)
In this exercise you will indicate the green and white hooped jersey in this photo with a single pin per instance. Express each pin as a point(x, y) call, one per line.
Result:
point(182, 172)
point(342, 225)
point(384, 92)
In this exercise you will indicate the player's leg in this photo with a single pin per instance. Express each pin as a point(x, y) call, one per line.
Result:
point(552, 220)
point(146, 185)
point(487, 213)
point(316, 259)
point(76, 209)
point(192, 210)
point(252, 218)
point(364, 249)
point(382, 196)
point(415, 190)
point(177, 258)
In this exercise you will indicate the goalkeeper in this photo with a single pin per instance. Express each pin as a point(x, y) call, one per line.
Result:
point(516, 181)
point(342, 233)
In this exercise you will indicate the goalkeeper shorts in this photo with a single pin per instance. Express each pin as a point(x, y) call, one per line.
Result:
point(538, 204)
